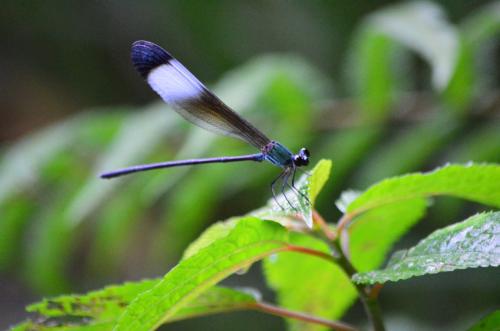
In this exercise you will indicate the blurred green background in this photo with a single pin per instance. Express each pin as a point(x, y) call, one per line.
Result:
point(380, 87)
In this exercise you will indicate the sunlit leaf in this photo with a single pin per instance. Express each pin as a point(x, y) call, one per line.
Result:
point(318, 178)
point(470, 244)
point(99, 310)
point(100, 305)
point(305, 283)
point(213, 233)
point(488, 323)
point(481, 145)
point(476, 182)
point(373, 233)
point(249, 241)
point(292, 203)
point(216, 300)
point(53, 326)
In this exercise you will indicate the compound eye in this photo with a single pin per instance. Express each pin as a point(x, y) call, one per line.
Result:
point(305, 151)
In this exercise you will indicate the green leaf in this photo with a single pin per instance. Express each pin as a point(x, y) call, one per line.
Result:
point(482, 24)
point(115, 226)
point(422, 27)
point(216, 300)
point(460, 91)
point(101, 305)
point(52, 238)
point(15, 213)
point(476, 182)
point(372, 75)
point(478, 29)
point(389, 222)
point(106, 306)
point(250, 240)
point(473, 65)
point(488, 323)
point(22, 162)
point(99, 310)
point(213, 233)
point(318, 178)
point(45, 156)
point(379, 58)
point(135, 140)
point(309, 186)
point(305, 283)
point(469, 244)
point(481, 145)
point(24, 326)
point(53, 326)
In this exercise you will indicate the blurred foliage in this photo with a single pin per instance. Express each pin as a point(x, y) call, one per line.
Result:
point(316, 279)
point(417, 90)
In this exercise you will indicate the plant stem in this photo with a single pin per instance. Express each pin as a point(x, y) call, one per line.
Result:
point(372, 308)
point(278, 311)
point(344, 220)
point(367, 295)
point(309, 251)
point(320, 221)
point(370, 303)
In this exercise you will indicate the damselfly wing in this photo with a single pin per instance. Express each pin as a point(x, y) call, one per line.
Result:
point(192, 100)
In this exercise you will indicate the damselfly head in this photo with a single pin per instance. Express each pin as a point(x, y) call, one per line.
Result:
point(301, 158)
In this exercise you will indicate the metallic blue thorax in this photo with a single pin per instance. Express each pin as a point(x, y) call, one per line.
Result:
point(277, 154)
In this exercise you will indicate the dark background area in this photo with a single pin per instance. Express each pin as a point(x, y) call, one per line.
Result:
point(60, 58)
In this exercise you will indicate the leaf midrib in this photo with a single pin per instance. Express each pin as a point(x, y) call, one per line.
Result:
point(170, 311)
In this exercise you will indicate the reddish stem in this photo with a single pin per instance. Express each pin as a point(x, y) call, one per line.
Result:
point(309, 251)
point(375, 291)
point(278, 311)
point(343, 222)
point(320, 221)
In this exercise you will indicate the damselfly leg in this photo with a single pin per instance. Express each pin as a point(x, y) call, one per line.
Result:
point(274, 193)
point(295, 189)
point(286, 176)
point(288, 181)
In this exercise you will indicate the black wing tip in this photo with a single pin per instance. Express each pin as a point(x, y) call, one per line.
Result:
point(147, 55)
